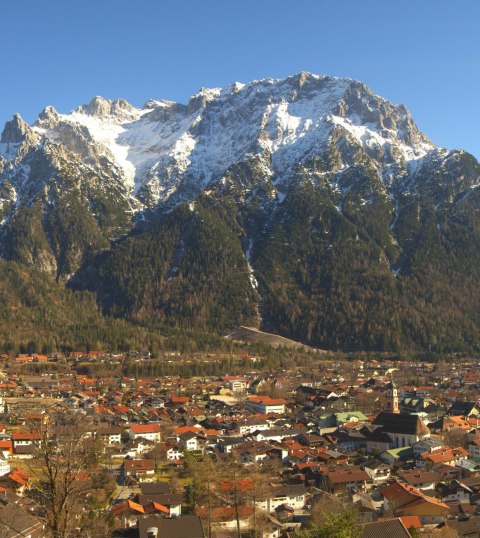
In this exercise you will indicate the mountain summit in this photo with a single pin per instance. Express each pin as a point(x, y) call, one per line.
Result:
point(169, 151)
point(307, 205)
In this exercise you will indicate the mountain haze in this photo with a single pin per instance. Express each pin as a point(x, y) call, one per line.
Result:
point(307, 206)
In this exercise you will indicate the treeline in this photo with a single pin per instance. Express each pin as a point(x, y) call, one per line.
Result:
point(268, 360)
point(39, 315)
point(195, 367)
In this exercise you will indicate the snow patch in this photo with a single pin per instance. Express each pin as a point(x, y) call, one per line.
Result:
point(253, 280)
point(368, 137)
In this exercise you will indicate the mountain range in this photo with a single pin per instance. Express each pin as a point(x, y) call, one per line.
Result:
point(307, 206)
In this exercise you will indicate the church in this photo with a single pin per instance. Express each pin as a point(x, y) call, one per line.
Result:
point(403, 430)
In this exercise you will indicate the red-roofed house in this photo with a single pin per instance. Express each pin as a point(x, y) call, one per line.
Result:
point(15, 479)
point(225, 517)
point(24, 359)
point(265, 405)
point(444, 455)
point(6, 448)
point(406, 500)
point(236, 383)
point(25, 438)
point(179, 400)
point(151, 432)
point(408, 521)
point(127, 512)
point(142, 470)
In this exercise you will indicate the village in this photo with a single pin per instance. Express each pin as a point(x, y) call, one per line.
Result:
point(261, 453)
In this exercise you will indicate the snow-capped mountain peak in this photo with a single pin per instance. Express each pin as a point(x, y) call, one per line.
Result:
point(167, 151)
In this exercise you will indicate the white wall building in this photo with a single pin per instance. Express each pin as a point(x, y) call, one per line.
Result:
point(146, 431)
point(4, 467)
point(265, 405)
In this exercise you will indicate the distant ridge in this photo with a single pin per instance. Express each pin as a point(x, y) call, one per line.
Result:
point(251, 335)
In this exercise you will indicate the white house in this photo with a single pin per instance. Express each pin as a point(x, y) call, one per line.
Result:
point(475, 450)
point(142, 470)
point(426, 445)
point(249, 426)
point(275, 434)
point(25, 438)
point(188, 441)
point(4, 467)
point(174, 453)
point(294, 495)
point(147, 431)
point(110, 435)
point(377, 471)
point(236, 384)
point(265, 405)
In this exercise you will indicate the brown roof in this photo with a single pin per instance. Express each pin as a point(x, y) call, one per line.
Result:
point(139, 465)
point(411, 495)
point(165, 499)
point(226, 513)
point(416, 476)
point(154, 488)
point(393, 528)
point(240, 485)
point(346, 476)
point(17, 522)
point(182, 527)
point(22, 435)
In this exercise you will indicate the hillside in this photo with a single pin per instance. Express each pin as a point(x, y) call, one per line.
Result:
point(251, 335)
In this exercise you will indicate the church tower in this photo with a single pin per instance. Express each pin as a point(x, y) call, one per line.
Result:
point(392, 397)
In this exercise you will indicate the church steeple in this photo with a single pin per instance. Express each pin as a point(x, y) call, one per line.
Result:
point(392, 397)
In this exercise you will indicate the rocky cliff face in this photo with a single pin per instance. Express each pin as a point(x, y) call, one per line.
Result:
point(314, 205)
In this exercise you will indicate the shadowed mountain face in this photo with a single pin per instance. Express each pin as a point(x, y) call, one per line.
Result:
point(307, 206)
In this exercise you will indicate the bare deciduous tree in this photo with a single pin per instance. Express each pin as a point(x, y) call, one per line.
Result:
point(65, 458)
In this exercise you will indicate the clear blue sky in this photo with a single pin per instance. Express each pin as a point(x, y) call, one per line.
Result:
point(423, 53)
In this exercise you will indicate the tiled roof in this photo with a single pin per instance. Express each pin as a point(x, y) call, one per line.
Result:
point(347, 476)
point(145, 428)
point(182, 527)
point(23, 435)
point(266, 400)
point(126, 506)
point(393, 528)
